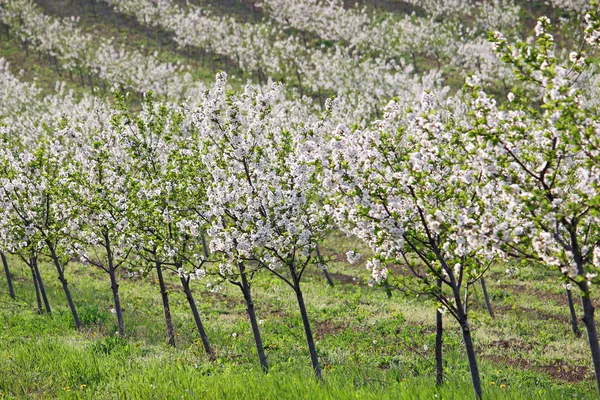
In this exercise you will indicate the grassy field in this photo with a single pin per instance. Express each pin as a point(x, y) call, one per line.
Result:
point(370, 346)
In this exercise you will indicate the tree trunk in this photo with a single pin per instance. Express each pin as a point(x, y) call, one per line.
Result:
point(41, 285)
point(38, 297)
point(325, 272)
point(466, 333)
point(574, 326)
point(245, 287)
point(11, 290)
point(190, 298)
point(114, 286)
point(166, 307)
point(305, 321)
point(439, 331)
point(61, 277)
point(488, 304)
point(590, 326)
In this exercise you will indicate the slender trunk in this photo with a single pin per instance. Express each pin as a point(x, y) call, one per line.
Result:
point(586, 302)
point(190, 298)
point(574, 326)
point(38, 297)
point(590, 326)
point(11, 290)
point(112, 272)
point(245, 287)
point(114, 286)
point(488, 304)
point(309, 336)
point(466, 331)
point(439, 330)
point(325, 272)
point(305, 321)
point(61, 277)
point(468, 340)
point(41, 285)
point(166, 308)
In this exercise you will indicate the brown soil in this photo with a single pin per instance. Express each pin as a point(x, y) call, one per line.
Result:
point(557, 370)
point(322, 329)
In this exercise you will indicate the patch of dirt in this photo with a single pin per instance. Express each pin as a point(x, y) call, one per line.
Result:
point(322, 329)
point(557, 370)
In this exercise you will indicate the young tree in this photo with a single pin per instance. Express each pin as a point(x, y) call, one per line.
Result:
point(96, 200)
point(167, 199)
point(541, 178)
point(408, 188)
point(264, 191)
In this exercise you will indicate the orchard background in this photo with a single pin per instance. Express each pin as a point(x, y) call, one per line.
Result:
point(299, 199)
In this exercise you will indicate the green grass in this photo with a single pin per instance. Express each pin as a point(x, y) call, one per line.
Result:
point(370, 346)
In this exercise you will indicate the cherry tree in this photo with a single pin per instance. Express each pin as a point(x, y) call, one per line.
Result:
point(407, 187)
point(96, 194)
point(541, 182)
point(167, 200)
point(262, 192)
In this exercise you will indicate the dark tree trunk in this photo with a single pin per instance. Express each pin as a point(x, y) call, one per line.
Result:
point(586, 302)
point(245, 287)
point(38, 296)
point(439, 331)
point(199, 325)
point(11, 290)
point(61, 277)
point(488, 304)
point(34, 262)
point(325, 272)
point(590, 326)
point(468, 340)
point(466, 331)
point(114, 286)
point(574, 326)
point(309, 336)
point(167, 309)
